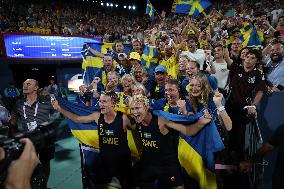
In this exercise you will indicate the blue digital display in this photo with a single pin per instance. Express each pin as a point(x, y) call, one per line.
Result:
point(22, 46)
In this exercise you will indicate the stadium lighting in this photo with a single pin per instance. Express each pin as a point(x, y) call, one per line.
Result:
point(107, 4)
point(111, 5)
point(133, 7)
point(116, 5)
point(124, 6)
point(129, 7)
point(102, 4)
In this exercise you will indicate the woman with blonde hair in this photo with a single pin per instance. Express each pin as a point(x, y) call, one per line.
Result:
point(138, 89)
point(113, 82)
point(201, 96)
point(127, 82)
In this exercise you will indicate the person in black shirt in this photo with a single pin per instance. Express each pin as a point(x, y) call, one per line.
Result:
point(247, 86)
point(159, 138)
point(27, 115)
point(114, 158)
point(276, 141)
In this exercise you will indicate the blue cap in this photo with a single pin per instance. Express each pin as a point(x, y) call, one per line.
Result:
point(161, 68)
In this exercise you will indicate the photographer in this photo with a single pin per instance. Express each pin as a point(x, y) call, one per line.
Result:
point(20, 170)
point(28, 114)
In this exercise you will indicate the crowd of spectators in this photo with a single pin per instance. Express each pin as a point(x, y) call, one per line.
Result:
point(69, 18)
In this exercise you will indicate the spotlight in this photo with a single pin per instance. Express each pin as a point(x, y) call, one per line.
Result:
point(102, 4)
point(111, 5)
point(129, 7)
point(124, 6)
point(133, 7)
point(116, 5)
point(107, 4)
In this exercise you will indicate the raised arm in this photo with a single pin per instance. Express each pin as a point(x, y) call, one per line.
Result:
point(79, 119)
point(227, 56)
point(223, 116)
point(95, 52)
point(189, 130)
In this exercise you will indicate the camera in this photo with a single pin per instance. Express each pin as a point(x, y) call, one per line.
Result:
point(42, 137)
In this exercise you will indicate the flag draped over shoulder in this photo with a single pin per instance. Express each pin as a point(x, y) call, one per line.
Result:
point(191, 7)
point(87, 133)
point(252, 37)
point(195, 153)
point(150, 10)
point(91, 64)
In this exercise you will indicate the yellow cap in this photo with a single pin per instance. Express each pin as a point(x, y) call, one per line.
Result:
point(135, 56)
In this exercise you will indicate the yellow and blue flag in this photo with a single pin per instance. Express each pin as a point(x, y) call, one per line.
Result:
point(91, 64)
point(150, 10)
point(251, 36)
point(191, 7)
point(150, 58)
point(196, 154)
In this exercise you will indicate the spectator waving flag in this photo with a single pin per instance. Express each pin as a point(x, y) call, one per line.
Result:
point(150, 58)
point(191, 7)
point(91, 64)
point(150, 10)
point(252, 37)
point(195, 153)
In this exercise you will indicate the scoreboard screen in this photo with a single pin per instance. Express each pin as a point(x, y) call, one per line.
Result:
point(25, 46)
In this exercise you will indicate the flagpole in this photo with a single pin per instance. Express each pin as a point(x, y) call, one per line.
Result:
point(155, 10)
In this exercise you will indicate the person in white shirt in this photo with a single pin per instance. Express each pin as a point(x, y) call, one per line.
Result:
point(193, 52)
point(220, 66)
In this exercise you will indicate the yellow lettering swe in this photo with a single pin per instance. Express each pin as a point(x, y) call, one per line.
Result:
point(111, 141)
point(149, 143)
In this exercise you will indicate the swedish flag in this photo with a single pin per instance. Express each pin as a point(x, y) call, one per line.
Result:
point(150, 58)
point(91, 64)
point(150, 10)
point(109, 132)
point(191, 7)
point(147, 135)
point(252, 37)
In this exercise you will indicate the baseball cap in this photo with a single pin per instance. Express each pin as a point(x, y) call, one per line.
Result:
point(135, 56)
point(161, 68)
point(236, 30)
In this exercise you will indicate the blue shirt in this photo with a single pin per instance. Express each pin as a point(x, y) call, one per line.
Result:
point(275, 75)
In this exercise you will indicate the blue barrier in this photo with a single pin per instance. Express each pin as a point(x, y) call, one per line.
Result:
point(270, 116)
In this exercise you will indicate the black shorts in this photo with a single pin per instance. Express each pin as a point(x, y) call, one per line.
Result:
point(165, 171)
point(106, 167)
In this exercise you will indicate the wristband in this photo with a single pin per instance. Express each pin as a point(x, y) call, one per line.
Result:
point(220, 109)
point(250, 107)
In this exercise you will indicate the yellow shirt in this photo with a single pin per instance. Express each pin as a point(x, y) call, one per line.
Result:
point(172, 66)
